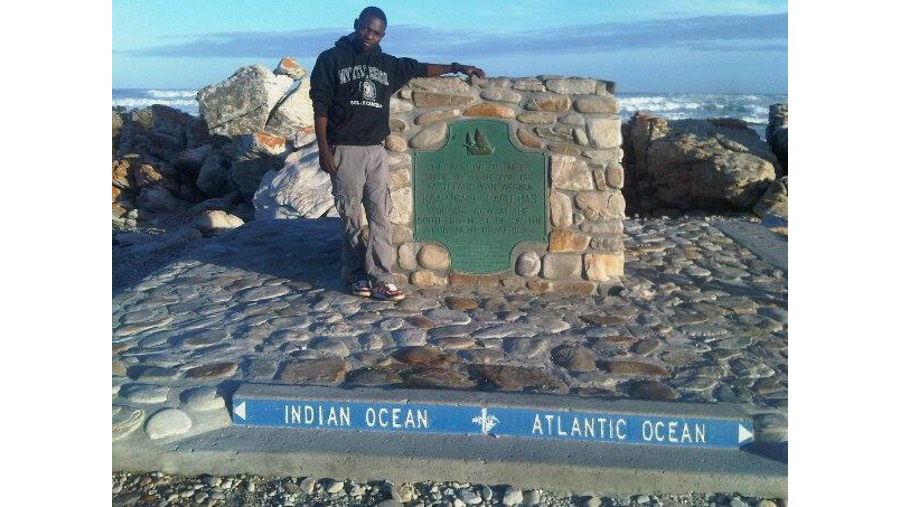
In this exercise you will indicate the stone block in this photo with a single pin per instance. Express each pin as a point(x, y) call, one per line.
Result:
point(430, 137)
point(580, 136)
point(470, 280)
point(400, 177)
point(601, 104)
point(429, 99)
point(489, 111)
point(605, 227)
point(434, 257)
point(449, 84)
point(529, 85)
point(617, 205)
point(436, 116)
point(401, 234)
point(562, 134)
point(401, 213)
point(599, 177)
point(615, 176)
point(604, 267)
point(563, 240)
point(608, 243)
point(397, 125)
point(604, 132)
point(559, 266)
point(425, 278)
point(601, 205)
point(491, 82)
point(560, 209)
point(501, 95)
point(528, 264)
point(395, 159)
point(569, 173)
point(572, 287)
point(571, 86)
point(395, 143)
point(548, 102)
point(605, 157)
point(528, 139)
point(564, 149)
point(536, 117)
point(512, 282)
point(400, 106)
point(572, 119)
point(406, 256)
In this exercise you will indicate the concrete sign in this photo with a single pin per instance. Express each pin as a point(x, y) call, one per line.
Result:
point(494, 421)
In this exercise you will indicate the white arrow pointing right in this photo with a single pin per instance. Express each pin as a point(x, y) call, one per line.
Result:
point(241, 411)
point(743, 434)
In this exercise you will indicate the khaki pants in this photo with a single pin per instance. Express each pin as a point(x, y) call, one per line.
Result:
point(362, 180)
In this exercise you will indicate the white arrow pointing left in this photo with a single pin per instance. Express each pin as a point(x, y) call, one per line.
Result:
point(744, 434)
point(241, 410)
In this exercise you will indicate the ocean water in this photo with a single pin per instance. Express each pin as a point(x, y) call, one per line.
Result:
point(750, 107)
point(753, 108)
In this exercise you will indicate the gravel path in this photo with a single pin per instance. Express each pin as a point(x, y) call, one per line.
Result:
point(157, 489)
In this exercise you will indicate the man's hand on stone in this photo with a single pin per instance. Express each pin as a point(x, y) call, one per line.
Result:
point(470, 70)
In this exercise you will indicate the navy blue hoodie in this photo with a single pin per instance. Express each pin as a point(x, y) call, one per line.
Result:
point(353, 90)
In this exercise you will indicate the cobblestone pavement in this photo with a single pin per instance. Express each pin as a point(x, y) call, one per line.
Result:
point(697, 318)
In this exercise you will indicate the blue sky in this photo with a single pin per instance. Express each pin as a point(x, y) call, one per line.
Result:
point(643, 45)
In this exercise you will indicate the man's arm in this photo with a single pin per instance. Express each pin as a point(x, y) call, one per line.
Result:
point(436, 69)
point(326, 156)
point(321, 93)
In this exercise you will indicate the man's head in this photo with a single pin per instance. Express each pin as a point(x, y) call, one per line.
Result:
point(369, 28)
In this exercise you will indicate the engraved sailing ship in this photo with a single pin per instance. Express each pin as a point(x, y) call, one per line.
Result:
point(480, 146)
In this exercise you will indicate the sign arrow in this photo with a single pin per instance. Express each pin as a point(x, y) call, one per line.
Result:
point(241, 410)
point(743, 434)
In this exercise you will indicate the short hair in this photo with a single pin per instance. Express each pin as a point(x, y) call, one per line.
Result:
point(373, 12)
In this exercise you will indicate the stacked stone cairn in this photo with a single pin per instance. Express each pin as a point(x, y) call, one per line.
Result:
point(575, 122)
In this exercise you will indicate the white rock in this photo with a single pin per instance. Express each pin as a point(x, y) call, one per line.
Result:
point(202, 399)
point(145, 393)
point(605, 133)
point(292, 115)
point(125, 420)
point(167, 423)
point(299, 190)
point(512, 496)
point(213, 222)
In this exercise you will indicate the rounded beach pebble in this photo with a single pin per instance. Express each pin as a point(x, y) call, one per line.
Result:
point(166, 423)
point(202, 399)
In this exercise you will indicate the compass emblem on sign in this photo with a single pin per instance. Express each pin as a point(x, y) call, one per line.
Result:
point(368, 90)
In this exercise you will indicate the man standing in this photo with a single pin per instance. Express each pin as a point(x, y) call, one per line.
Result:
point(351, 87)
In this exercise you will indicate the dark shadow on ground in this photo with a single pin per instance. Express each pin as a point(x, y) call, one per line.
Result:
point(299, 250)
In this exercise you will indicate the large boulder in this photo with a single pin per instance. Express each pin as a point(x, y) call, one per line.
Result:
point(293, 113)
point(774, 201)
point(255, 155)
point(216, 222)
point(212, 179)
point(241, 104)
point(777, 134)
point(160, 132)
point(713, 165)
point(298, 190)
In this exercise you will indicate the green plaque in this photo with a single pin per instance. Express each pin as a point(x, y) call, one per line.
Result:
point(479, 196)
